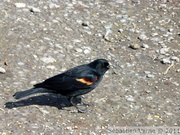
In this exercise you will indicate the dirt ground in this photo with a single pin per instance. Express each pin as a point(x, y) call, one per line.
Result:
point(140, 38)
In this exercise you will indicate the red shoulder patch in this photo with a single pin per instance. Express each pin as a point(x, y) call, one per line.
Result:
point(85, 81)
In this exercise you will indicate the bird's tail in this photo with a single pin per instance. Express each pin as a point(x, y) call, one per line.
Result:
point(28, 92)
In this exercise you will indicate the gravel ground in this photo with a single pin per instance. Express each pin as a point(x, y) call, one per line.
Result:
point(140, 38)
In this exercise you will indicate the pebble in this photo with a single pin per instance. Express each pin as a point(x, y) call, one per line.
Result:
point(165, 1)
point(120, 1)
point(154, 34)
point(170, 38)
point(142, 37)
point(135, 46)
point(178, 70)
point(168, 113)
point(130, 98)
point(149, 117)
point(149, 98)
point(145, 45)
point(76, 41)
point(33, 9)
point(164, 50)
point(87, 51)
point(123, 20)
point(136, 1)
point(155, 39)
point(147, 72)
point(20, 5)
point(48, 59)
point(166, 60)
point(51, 67)
point(79, 50)
point(175, 58)
point(120, 30)
point(107, 35)
point(150, 76)
point(2, 70)
point(85, 24)
point(33, 82)
point(170, 30)
point(52, 5)
point(20, 63)
point(108, 26)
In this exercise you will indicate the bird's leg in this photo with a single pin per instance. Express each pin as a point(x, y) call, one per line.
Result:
point(85, 103)
point(79, 98)
point(76, 105)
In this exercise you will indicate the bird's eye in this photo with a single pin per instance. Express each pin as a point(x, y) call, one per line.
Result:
point(106, 65)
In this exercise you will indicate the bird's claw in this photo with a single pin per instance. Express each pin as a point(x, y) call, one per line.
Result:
point(81, 111)
point(82, 103)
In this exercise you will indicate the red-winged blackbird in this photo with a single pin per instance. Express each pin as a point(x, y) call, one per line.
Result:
point(71, 83)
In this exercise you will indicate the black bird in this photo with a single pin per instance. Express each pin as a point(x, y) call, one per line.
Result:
point(71, 83)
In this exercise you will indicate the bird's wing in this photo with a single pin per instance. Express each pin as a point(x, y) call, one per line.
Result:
point(76, 78)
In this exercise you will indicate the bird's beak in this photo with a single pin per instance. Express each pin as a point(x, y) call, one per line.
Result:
point(108, 67)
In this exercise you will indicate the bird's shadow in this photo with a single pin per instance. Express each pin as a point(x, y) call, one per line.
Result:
point(44, 100)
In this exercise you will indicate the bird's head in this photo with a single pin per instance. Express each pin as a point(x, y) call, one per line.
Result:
point(101, 66)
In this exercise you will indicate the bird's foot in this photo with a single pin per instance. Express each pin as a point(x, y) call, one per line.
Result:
point(81, 106)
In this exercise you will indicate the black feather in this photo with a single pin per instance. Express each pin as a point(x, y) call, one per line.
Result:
point(25, 93)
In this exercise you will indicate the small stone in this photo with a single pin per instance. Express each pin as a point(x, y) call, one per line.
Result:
point(108, 26)
point(21, 64)
point(68, 29)
point(164, 1)
point(164, 50)
point(145, 45)
point(168, 113)
point(155, 39)
point(120, 30)
point(150, 76)
point(68, 128)
point(33, 82)
point(76, 41)
point(175, 58)
point(154, 34)
point(79, 50)
point(170, 30)
point(178, 70)
point(2, 70)
point(147, 91)
point(20, 5)
point(52, 5)
point(123, 20)
point(48, 59)
point(135, 46)
point(166, 60)
point(147, 72)
point(149, 117)
point(142, 37)
point(107, 35)
point(149, 98)
point(33, 9)
point(85, 24)
point(120, 1)
point(130, 98)
point(51, 67)
point(136, 1)
point(79, 21)
point(87, 51)
point(163, 6)
point(170, 38)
